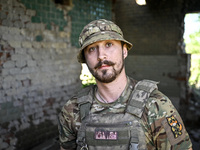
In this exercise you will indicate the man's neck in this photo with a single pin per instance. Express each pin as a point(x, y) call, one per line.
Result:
point(110, 92)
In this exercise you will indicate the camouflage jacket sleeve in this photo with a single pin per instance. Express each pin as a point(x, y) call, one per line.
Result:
point(68, 123)
point(163, 125)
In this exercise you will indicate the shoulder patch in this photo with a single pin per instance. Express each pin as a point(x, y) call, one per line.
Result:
point(174, 128)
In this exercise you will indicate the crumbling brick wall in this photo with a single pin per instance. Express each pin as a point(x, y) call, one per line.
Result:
point(39, 71)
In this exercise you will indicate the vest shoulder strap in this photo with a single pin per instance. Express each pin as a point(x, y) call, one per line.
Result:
point(139, 97)
point(84, 100)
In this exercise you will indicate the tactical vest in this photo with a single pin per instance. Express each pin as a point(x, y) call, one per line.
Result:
point(114, 131)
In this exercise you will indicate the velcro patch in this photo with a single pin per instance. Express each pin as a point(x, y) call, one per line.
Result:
point(105, 135)
point(174, 128)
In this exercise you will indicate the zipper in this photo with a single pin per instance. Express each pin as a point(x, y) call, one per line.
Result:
point(113, 125)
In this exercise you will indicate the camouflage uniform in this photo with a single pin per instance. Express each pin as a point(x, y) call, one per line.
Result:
point(157, 120)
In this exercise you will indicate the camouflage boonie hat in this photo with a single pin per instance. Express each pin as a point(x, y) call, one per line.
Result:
point(99, 30)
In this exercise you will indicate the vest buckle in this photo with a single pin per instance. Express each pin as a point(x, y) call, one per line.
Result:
point(84, 147)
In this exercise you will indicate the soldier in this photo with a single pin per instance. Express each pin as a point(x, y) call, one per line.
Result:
point(118, 112)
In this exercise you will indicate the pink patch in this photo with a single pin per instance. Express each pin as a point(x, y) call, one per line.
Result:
point(105, 135)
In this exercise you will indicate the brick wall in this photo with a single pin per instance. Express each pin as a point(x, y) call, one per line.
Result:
point(38, 66)
point(156, 31)
point(153, 30)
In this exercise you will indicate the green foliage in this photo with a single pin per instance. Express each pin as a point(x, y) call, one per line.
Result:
point(86, 77)
point(195, 71)
point(88, 80)
point(193, 47)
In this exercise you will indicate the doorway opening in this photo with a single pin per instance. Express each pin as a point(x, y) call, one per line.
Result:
point(191, 39)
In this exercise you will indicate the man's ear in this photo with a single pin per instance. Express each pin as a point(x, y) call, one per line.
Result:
point(125, 51)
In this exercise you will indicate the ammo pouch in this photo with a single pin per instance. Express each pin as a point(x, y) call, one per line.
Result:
point(116, 131)
point(121, 131)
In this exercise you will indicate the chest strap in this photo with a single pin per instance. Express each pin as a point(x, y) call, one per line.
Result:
point(139, 97)
point(84, 100)
point(136, 102)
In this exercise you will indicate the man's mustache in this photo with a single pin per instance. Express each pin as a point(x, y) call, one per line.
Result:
point(106, 62)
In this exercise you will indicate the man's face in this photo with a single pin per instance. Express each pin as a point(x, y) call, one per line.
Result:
point(105, 59)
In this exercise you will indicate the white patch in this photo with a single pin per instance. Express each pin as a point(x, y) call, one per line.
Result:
point(78, 123)
point(98, 107)
point(152, 114)
point(150, 104)
point(118, 106)
point(149, 113)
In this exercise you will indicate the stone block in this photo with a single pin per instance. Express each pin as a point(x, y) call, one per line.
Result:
point(21, 77)
point(20, 63)
point(3, 15)
point(13, 30)
point(30, 12)
point(7, 37)
point(31, 63)
point(30, 26)
point(8, 79)
point(16, 84)
point(29, 70)
point(46, 44)
point(15, 17)
point(46, 56)
point(64, 34)
point(9, 64)
point(11, 92)
point(14, 71)
point(36, 45)
point(8, 23)
point(25, 19)
point(18, 10)
point(15, 4)
point(38, 26)
point(10, 16)
point(26, 44)
point(16, 57)
point(20, 50)
point(4, 30)
point(18, 24)
point(5, 72)
point(15, 44)
point(37, 56)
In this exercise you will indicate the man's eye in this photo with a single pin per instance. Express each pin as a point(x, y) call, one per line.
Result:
point(109, 44)
point(91, 49)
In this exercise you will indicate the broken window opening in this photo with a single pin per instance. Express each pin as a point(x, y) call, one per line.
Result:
point(191, 39)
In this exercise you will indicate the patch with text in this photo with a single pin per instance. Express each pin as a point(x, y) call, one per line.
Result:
point(101, 134)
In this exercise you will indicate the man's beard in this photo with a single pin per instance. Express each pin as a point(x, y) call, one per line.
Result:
point(106, 77)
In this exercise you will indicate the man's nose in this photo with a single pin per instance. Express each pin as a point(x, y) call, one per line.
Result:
point(101, 53)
